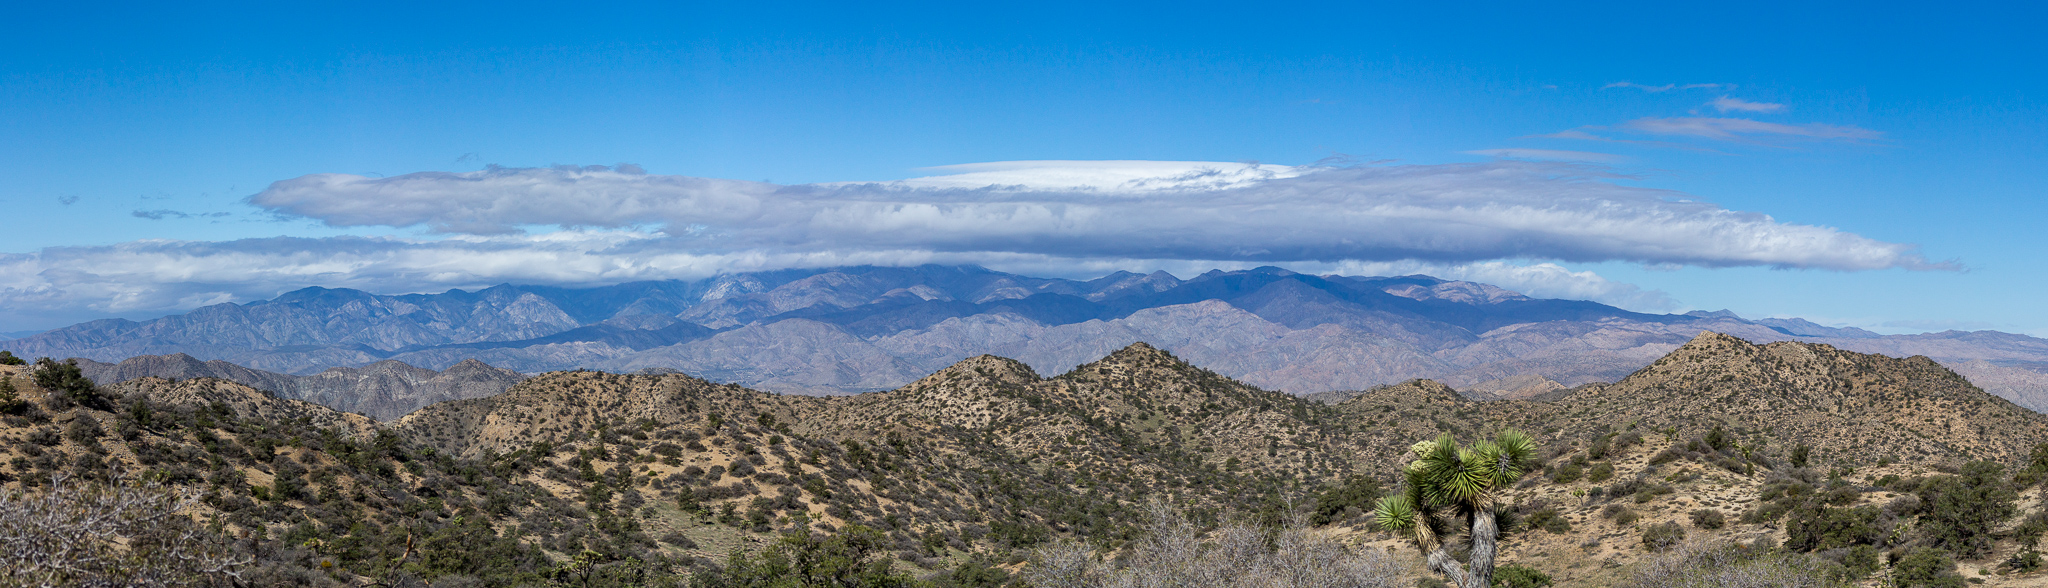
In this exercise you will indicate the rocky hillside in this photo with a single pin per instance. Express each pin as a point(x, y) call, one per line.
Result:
point(1856, 407)
point(384, 390)
point(842, 330)
point(985, 459)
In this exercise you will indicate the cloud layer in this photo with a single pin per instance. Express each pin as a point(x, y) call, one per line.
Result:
point(1192, 211)
point(140, 278)
point(597, 225)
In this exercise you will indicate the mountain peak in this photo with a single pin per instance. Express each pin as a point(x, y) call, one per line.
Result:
point(987, 367)
point(1141, 354)
point(1714, 340)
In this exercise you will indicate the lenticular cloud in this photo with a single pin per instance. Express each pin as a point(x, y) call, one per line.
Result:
point(1125, 210)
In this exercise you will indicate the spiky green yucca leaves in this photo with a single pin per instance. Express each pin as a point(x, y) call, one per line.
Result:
point(1451, 480)
point(1447, 483)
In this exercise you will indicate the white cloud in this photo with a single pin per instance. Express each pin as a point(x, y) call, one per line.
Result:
point(146, 278)
point(1121, 176)
point(1733, 130)
point(1454, 221)
point(1725, 104)
point(1204, 211)
point(1742, 129)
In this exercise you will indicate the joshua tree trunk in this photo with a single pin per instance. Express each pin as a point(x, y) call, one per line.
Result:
point(1440, 561)
point(1485, 536)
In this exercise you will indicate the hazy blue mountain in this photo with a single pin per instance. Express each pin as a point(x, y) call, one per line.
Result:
point(851, 329)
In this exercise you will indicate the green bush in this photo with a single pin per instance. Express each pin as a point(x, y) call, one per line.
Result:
point(1599, 448)
point(2036, 470)
point(1354, 497)
point(2027, 560)
point(10, 400)
point(853, 557)
point(1548, 520)
point(68, 386)
point(1926, 566)
point(1567, 473)
point(1709, 518)
point(1663, 535)
point(8, 358)
point(1600, 472)
point(1518, 576)
point(1666, 456)
point(1861, 561)
point(1960, 512)
point(1813, 528)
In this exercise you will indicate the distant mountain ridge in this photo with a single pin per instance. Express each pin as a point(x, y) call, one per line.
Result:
point(384, 390)
point(856, 329)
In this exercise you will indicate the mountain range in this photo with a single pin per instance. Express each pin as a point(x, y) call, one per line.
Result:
point(857, 329)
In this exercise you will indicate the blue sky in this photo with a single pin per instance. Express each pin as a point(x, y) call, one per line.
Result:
point(140, 146)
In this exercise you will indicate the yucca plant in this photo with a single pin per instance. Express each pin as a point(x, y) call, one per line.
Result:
point(1450, 485)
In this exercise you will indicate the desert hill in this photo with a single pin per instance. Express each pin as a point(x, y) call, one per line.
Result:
point(986, 459)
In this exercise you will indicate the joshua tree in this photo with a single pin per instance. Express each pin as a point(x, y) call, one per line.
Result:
point(1448, 485)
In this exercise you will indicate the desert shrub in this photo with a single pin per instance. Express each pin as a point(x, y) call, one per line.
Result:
point(1961, 512)
point(1621, 515)
point(1627, 487)
point(1926, 566)
point(1801, 455)
point(1709, 518)
point(975, 572)
point(1600, 472)
point(83, 430)
point(1732, 465)
point(8, 358)
point(1548, 520)
point(1175, 553)
point(1651, 493)
point(1719, 439)
point(1668, 455)
point(852, 557)
point(1612, 510)
point(1663, 536)
point(2036, 469)
point(45, 436)
point(1519, 576)
point(1816, 527)
point(10, 399)
point(2027, 560)
point(1567, 473)
point(68, 386)
point(1599, 448)
point(1730, 565)
point(1354, 497)
point(1860, 561)
point(679, 540)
